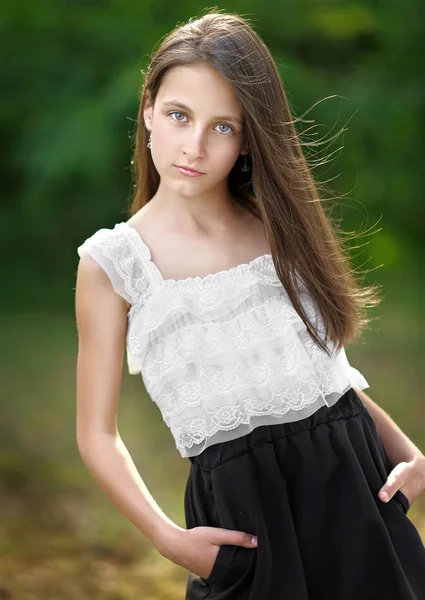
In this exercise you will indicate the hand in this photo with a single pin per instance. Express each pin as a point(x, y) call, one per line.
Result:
point(408, 477)
point(196, 549)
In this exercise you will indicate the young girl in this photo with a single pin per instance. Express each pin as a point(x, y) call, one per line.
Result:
point(233, 297)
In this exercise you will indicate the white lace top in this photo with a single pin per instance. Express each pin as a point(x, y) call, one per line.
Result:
point(221, 354)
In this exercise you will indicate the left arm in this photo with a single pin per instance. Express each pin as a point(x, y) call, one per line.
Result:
point(407, 461)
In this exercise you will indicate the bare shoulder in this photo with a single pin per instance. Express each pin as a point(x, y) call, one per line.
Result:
point(94, 292)
point(136, 219)
point(91, 277)
point(88, 268)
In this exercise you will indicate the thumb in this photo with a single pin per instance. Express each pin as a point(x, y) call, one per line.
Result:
point(238, 538)
point(396, 479)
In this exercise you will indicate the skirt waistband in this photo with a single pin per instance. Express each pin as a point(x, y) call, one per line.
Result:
point(349, 405)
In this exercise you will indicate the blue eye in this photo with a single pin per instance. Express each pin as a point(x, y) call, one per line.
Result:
point(178, 112)
point(225, 125)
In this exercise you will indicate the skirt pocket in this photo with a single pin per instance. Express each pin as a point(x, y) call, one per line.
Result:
point(230, 564)
point(384, 466)
point(219, 565)
point(403, 499)
point(233, 564)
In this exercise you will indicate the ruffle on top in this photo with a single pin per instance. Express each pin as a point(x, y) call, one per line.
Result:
point(219, 354)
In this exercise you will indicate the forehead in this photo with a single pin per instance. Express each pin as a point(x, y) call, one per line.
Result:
point(200, 87)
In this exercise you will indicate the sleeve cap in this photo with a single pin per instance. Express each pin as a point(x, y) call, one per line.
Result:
point(109, 252)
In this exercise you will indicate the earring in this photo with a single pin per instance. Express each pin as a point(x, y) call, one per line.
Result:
point(149, 141)
point(245, 166)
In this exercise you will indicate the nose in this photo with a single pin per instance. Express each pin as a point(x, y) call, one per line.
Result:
point(194, 147)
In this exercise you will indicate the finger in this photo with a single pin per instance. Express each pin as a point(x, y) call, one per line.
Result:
point(395, 480)
point(238, 538)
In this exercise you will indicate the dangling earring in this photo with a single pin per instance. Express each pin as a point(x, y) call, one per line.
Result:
point(149, 141)
point(245, 166)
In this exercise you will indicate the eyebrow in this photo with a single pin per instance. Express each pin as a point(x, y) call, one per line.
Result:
point(181, 105)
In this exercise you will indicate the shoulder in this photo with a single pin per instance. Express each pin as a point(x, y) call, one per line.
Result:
point(97, 294)
point(104, 237)
point(114, 251)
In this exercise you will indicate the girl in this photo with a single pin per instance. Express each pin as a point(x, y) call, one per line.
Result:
point(232, 295)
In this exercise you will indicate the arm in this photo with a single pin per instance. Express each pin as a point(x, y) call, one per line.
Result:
point(102, 326)
point(397, 445)
point(102, 323)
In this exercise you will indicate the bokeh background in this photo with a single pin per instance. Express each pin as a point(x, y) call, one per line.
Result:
point(70, 88)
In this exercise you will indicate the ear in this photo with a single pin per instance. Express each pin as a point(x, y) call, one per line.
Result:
point(244, 149)
point(147, 113)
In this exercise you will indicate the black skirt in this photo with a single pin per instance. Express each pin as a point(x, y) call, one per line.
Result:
point(309, 491)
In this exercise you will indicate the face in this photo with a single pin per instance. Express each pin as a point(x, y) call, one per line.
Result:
point(196, 123)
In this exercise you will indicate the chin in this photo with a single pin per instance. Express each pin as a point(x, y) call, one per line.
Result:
point(184, 188)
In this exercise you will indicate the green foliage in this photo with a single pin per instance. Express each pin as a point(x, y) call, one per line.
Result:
point(72, 79)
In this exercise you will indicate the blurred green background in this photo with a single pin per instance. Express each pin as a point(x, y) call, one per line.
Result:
point(70, 81)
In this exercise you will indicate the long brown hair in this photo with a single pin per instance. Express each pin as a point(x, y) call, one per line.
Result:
point(280, 188)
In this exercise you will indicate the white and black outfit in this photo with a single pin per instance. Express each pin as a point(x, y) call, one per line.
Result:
point(280, 444)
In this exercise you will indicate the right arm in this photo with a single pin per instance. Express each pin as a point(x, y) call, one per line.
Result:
point(102, 323)
point(101, 316)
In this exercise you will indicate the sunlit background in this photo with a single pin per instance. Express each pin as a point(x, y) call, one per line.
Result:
point(70, 89)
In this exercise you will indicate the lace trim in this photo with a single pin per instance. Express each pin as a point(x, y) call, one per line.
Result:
point(165, 303)
point(162, 312)
point(126, 262)
point(287, 371)
point(245, 333)
point(281, 374)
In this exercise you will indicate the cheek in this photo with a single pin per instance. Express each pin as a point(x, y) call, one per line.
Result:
point(163, 139)
point(225, 157)
point(162, 150)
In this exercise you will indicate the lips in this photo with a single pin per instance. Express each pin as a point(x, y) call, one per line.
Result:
point(189, 169)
